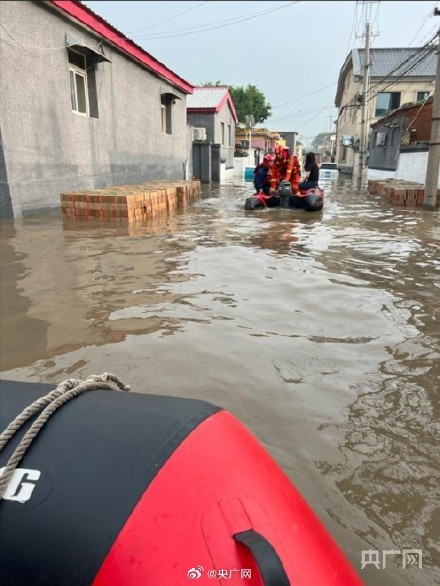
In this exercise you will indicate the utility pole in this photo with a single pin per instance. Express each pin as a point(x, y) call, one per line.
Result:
point(432, 169)
point(250, 121)
point(364, 110)
point(330, 137)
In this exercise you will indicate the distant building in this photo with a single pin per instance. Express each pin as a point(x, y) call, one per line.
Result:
point(396, 77)
point(212, 108)
point(290, 138)
point(82, 106)
point(263, 140)
point(399, 143)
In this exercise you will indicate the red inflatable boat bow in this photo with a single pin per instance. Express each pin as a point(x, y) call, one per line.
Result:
point(153, 491)
point(221, 511)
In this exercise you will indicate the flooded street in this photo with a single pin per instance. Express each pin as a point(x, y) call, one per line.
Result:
point(319, 331)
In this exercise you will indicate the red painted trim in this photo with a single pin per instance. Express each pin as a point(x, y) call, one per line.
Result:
point(105, 30)
point(201, 110)
point(222, 103)
point(228, 99)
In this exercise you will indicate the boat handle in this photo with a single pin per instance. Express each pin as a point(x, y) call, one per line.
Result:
point(267, 559)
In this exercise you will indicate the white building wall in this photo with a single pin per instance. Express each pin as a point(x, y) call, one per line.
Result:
point(381, 175)
point(410, 167)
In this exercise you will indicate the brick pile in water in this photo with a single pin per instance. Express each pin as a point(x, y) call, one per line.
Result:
point(399, 192)
point(131, 203)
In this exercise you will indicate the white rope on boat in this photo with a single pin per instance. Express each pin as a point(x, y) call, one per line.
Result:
point(47, 405)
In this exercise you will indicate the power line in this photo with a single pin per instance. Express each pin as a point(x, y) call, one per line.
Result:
point(417, 113)
point(302, 114)
point(213, 26)
point(429, 15)
point(403, 73)
point(305, 96)
point(168, 19)
point(353, 28)
point(354, 103)
point(41, 48)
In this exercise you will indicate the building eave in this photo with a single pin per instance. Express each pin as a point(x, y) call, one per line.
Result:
point(87, 18)
point(201, 110)
point(341, 79)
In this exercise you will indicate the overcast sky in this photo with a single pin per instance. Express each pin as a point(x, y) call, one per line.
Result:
point(292, 51)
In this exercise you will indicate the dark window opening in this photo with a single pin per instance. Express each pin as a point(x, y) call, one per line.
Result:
point(166, 105)
point(167, 100)
point(386, 102)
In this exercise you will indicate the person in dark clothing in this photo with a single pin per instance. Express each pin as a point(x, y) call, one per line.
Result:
point(312, 173)
point(262, 175)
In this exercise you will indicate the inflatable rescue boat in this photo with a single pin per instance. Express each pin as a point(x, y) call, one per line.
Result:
point(131, 489)
point(311, 200)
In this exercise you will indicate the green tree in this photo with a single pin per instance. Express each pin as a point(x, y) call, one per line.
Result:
point(247, 100)
point(250, 100)
point(210, 84)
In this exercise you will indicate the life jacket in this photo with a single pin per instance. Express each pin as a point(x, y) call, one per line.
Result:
point(295, 173)
point(285, 168)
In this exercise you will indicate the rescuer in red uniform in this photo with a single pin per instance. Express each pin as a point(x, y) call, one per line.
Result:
point(286, 168)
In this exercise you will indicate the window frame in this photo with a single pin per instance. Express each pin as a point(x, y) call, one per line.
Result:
point(167, 100)
point(390, 107)
point(166, 115)
point(163, 118)
point(74, 71)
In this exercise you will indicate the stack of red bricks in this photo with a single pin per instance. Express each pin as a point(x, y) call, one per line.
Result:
point(130, 202)
point(399, 191)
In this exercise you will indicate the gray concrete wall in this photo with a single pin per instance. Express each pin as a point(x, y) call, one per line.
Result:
point(204, 121)
point(49, 149)
point(202, 162)
point(412, 165)
point(385, 157)
point(227, 151)
point(212, 123)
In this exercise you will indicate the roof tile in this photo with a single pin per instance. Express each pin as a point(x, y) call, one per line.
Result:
point(396, 62)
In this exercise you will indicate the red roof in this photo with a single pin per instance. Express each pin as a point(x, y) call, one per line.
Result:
point(102, 28)
point(209, 100)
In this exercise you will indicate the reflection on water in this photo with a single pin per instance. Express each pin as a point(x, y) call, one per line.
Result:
point(320, 331)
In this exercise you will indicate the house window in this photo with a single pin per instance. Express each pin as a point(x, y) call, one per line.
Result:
point(422, 96)
point(386, 102)
point(223, 132)
point(229, 135)
point(166, 105)
point(82, 70)
point(163, 110)
point(167, 100)
point(78, 83)
point(380, 139)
